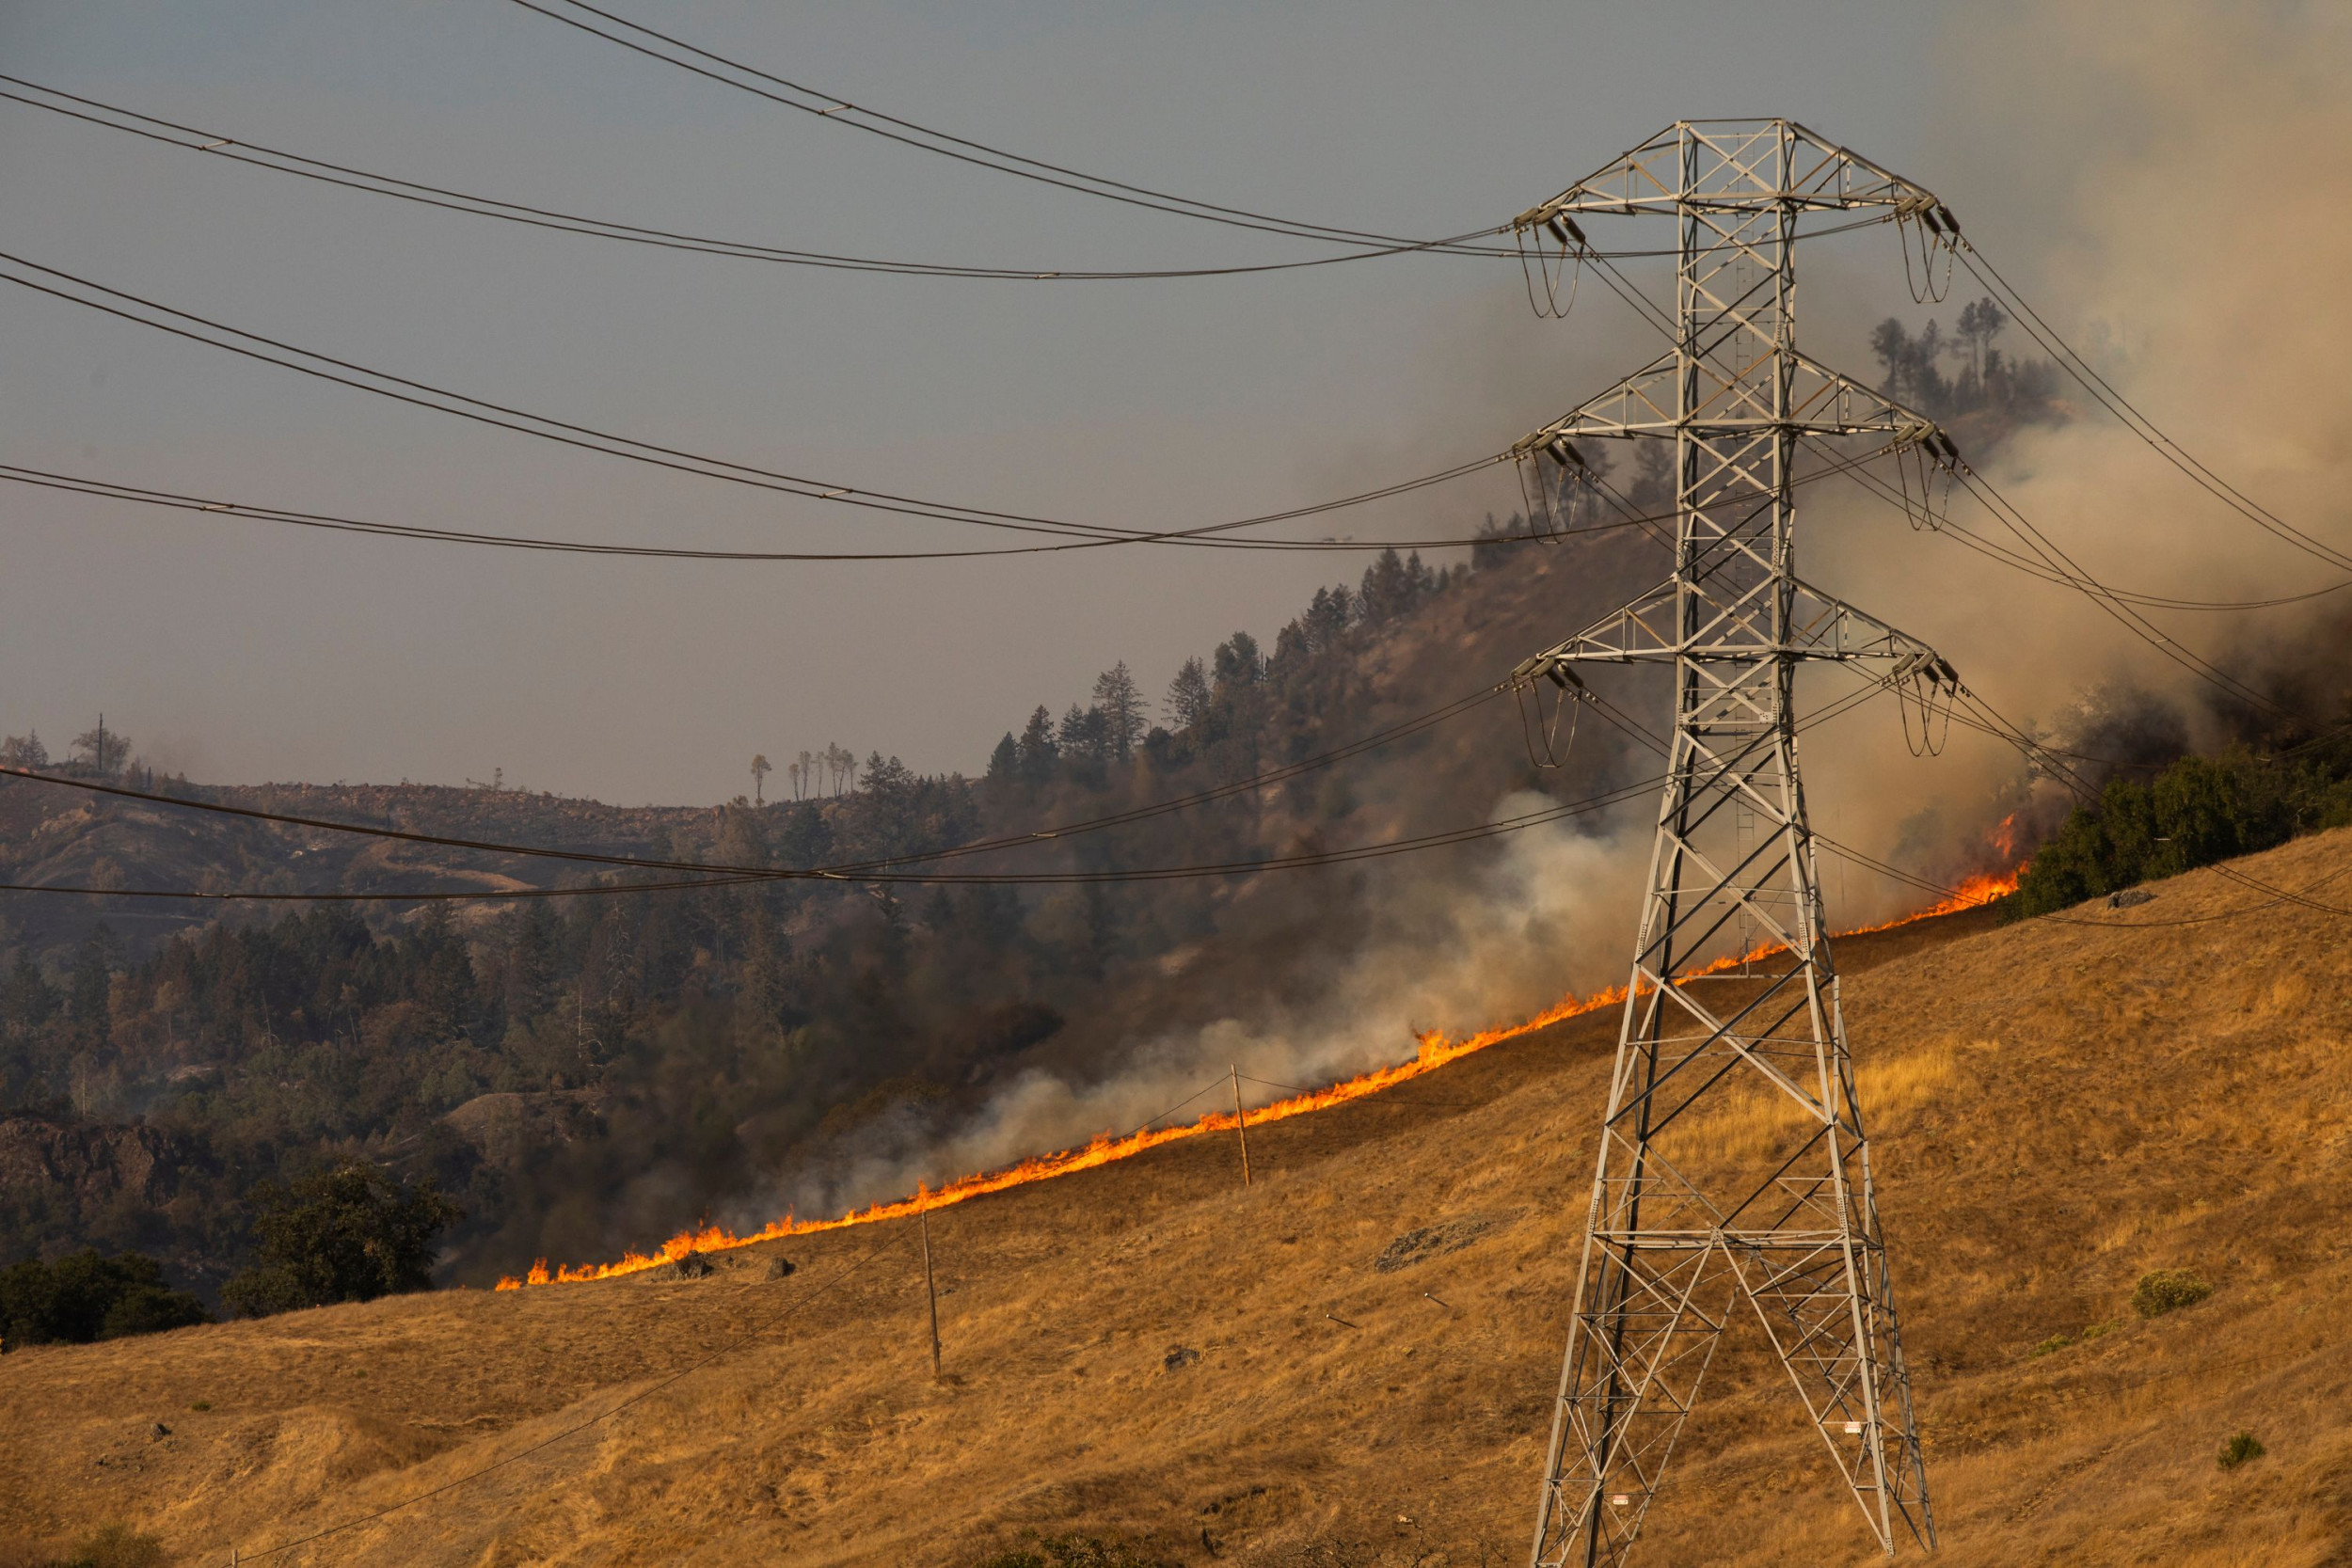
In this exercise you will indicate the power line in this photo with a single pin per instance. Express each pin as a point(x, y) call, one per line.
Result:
point(276, 160)
point(839, 111)
point(879, 873)
point(1937, 523)
point(884, 871)
point(2229, 872)
point(2065, 569)
point(481, 411)
point(2139, 425)
point(330, 522)
point(2299, 898)
point(1329, 757)
point(2098, 593)
point(589, 890)
point(421, 394)
point(1380, 849)
point(169, 133)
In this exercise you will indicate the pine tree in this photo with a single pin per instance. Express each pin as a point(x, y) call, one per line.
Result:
point(1084, 734)
point(1238, 662)
point(1038, 749)
point(1188, 695)
point(1004, 764)
point(1120, 703)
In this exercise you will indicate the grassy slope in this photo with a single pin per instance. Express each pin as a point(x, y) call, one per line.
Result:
point(2058, 1108)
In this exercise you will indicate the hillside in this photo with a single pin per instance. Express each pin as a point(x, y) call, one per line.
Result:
point(1149, 1351)
point(587, 1073)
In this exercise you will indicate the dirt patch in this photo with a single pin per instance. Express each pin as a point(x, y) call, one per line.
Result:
point(1436, 1241)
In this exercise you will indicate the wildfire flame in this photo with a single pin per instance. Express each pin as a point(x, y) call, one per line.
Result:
point(1433, 1051)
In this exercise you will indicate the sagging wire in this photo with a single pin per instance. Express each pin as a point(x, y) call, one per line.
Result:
point(1535, 496)
point(1547, 667)
point(1938, 230)
point(2104, 392)
point(1573, 248)
point(1925, 678)
point(1538, 490)
point(1933, 453)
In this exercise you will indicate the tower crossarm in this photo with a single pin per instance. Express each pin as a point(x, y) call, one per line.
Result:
point(1735, 165)
point(1731, 401)
point(1817, 627)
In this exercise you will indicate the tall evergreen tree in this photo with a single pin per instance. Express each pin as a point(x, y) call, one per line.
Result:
point(1188, 695)
point(1120, 703)
point(1038, 752)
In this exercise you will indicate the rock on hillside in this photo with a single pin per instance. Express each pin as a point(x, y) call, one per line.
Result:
point(89, 1166)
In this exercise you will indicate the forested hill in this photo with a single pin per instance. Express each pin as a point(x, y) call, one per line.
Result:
point(593, 1071)
point(590, 1072)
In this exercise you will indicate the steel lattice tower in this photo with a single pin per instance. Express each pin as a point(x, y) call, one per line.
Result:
point(1679, 1236)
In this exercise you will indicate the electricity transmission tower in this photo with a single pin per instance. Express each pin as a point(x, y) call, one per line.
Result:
point(1697, 1219)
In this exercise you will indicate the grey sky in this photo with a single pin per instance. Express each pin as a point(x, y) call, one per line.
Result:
point(241, 651)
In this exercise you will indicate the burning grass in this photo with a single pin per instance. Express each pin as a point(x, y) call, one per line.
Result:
point(1433, 1051)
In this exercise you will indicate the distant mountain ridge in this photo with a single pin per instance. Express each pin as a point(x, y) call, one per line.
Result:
point(702, 1046)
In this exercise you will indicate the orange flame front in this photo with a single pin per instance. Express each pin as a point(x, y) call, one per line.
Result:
point(1434, 1051)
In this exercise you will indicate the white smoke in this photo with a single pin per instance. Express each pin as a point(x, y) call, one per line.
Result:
point(2162, 190)
point(1551, 911)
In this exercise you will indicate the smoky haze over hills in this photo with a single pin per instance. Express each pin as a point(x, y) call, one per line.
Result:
point(858, 1035)
point(238, 654)
point(593, 1074)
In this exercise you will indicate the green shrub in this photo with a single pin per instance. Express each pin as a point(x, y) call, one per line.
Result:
point(2238, 1450)
point(116, 1547)
point(349, 1234)
point(2096, 1331)
point(2168, 1291)
point(1071, 1551)
point(2055, 1342)
point(84, 1297)
point(2197, 811)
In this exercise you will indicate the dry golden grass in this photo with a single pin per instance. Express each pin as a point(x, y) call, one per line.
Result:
point(2056, 1110)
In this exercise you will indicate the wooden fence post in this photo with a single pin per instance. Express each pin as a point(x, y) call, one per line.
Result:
point(1241, 1125)
point(930, 1287)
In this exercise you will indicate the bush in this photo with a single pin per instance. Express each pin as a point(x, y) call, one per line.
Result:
point(115, 1547)
point(2195, 812)
point(2168, 1291)
point(84, 1298)
point(1071, 1551)
point(2238, 1450)
point(349, 1234)
point(2054, 1343)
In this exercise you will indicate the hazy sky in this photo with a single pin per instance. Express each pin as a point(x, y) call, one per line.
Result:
point(241, 651)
